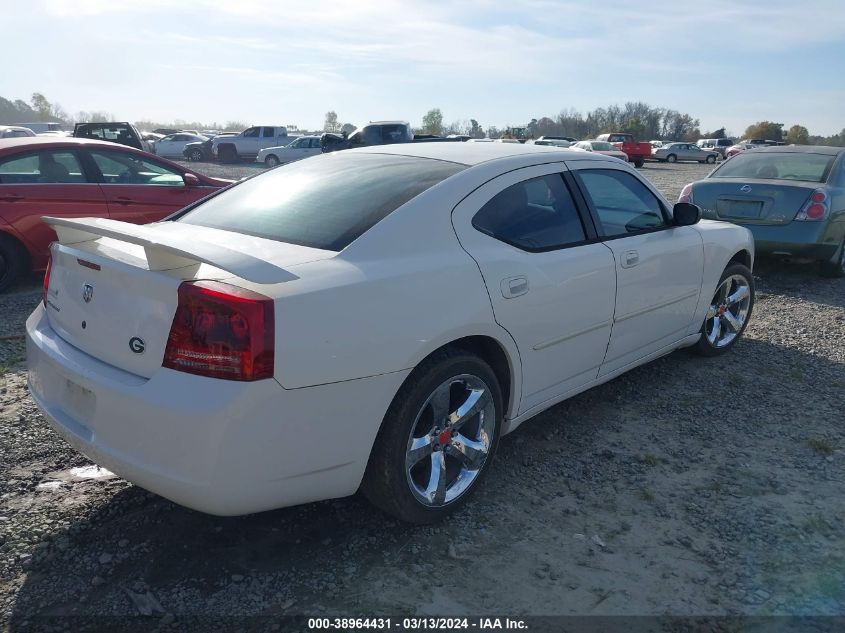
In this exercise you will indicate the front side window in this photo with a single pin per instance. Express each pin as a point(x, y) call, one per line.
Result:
point(324, 202)
point(252, 132)
point(298, 143)
point(622, 203)
point(533, 215)
point(48, 166)
point(123, 168)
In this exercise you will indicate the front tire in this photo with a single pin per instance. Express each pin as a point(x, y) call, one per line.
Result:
point(710, 160)
point(13, 262)
point(271, 161)
point(834, 267)
point(437, 439)
point(729, 311)
point(671, 158)
point(195, 155)
point(638, 162)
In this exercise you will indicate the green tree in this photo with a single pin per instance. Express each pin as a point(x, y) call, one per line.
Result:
point(765, 130)
point(432, 122)
point(798, 134)
point(41, 105)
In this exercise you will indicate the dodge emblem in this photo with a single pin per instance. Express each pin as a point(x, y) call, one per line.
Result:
point(87, 293)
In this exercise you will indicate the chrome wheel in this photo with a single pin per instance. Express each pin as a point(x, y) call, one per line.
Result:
point(450, 440)
point(728, 311)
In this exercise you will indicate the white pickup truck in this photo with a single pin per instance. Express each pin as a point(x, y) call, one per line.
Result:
point(247, 144)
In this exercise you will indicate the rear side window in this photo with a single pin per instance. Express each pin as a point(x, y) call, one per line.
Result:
point(622, 203)
point(324, 202)
point(533, 215)
point(48, 166)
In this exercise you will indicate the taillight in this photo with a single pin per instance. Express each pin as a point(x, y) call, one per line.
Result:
point(816, 208)
point(46, 287)
point(686, 194)
point(221, 331)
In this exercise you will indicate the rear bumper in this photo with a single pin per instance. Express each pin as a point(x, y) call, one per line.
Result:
point(217, 446)
point(815, 240)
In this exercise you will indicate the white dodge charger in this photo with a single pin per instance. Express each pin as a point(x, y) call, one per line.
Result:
point(372, 319)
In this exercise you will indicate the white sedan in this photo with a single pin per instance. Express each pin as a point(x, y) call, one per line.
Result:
point(303, 147)
point(174, 144)
point(602, 147)
point(375, 318)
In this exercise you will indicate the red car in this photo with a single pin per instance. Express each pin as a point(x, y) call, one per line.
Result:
point(72, 177)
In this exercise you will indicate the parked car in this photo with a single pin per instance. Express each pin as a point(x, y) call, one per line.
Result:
point(303, 147)
point(381, 133)
point(602, 147)
point(568, 139)
point(15, 131)
point(69, 177)
point(44, 126)
point(373, 319)
point(791, 198)
point(741, 146)
point(635, 151)
point(550, 142)
point(719, 145)
point(122, 133)
point(174, 144)
point(247, 144)
point(201, 150)
point(656, 144)
point(674, 152)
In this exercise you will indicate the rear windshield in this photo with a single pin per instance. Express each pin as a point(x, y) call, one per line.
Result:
point(323, 202)
point(601, 146)
point(777, 166)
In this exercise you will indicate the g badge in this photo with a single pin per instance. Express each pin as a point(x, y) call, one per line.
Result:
point(137, 345)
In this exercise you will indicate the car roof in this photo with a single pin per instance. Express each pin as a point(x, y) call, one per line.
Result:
point(474, 153)
point(55, 141)
point(801, 149)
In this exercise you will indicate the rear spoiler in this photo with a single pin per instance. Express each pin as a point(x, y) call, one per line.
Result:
point(167, 252)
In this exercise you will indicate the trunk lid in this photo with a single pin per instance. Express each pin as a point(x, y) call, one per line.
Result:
point(113, 286)
point(751, 201)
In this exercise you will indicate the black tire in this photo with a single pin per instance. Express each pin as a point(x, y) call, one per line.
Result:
point(386, 483)
point(671, 158)
point(196, 155)
point(834, 267)
point(710, 160)
point(271, 161)
point(228, 154)
point(704, 346)
point(638, 162)
point(13, 262)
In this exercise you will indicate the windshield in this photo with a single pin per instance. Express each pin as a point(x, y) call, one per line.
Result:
point(777, 166)
point(325, 202)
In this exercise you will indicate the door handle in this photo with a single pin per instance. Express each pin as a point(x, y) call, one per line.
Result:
point(514, 287)
point(124, 200)
point(630, 259)
point(12, 197)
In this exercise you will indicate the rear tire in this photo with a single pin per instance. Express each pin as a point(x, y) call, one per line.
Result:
point(13, 262)
point(834, 267)
point(638, 162)
point(424, 429)
point(729, 311)
point(671, 158)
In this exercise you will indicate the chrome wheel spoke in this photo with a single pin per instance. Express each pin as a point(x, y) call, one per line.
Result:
point(715, 330)
point(733, 323)
point(741, 293)
point(471, 453)
point(420, 448)
point(475, 402)
point(435, 491)
point(439, 403)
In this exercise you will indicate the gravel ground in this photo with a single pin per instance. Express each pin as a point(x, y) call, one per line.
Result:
point(689, 486)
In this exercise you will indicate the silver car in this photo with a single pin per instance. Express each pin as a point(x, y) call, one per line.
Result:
point(303, 147)
point(673, 152)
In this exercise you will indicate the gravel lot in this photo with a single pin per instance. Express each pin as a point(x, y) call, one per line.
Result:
point(689, 486)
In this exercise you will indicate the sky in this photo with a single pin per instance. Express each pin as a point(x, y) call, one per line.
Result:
point(727, 62)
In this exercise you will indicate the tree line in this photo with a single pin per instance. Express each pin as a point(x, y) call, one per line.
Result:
point(644, 121)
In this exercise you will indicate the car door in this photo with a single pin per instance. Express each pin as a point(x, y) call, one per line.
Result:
point(139, 189)
point(46, 182)
point(164, 146)
point(313, 147)
point(659, 266)
point(550, 282)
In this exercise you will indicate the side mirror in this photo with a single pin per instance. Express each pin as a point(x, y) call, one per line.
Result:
point(686, 214)
point(191, 180)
